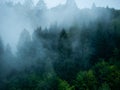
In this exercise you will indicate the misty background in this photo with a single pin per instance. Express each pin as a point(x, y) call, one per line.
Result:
point(17, 15)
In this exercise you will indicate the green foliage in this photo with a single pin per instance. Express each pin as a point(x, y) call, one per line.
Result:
point(32, 82)
point(107, 73)
point(63, 85)
point(103, 76)
point(86, 80)
point(104, 86)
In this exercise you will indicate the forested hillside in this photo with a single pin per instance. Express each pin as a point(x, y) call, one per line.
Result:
point(85, 55)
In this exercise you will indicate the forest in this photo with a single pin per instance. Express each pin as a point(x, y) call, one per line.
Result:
point(79, 57)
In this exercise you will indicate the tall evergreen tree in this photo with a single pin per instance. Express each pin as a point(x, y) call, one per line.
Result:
point(64, 46)
point(65, 64)
point(24, 52)
point(9, 59)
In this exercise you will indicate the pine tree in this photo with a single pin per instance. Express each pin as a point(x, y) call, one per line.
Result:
point(64, 46)
point(24, 51)
point(65, 64)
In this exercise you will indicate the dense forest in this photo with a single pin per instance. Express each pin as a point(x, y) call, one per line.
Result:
point(81, 57)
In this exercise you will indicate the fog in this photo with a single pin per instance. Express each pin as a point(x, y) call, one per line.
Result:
point(80, 3)
point(19, 22)
point(41, 40)
point(28, 14)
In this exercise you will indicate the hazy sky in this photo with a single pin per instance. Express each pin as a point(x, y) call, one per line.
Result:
point(86, 3)
point(80, 3)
